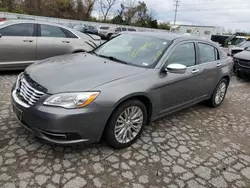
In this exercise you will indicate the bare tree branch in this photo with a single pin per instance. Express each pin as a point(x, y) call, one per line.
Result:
point(105, 6)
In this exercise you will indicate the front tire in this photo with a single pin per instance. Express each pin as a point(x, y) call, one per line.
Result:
point(219, 94)
point(126, 124)
point(239, 74)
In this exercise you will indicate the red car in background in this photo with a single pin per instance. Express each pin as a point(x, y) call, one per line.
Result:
point(2, 19)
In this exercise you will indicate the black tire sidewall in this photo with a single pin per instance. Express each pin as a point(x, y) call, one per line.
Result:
point(109, 133)
point(215, 91)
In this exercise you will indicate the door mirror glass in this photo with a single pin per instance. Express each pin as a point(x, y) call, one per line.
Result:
point(176, 68)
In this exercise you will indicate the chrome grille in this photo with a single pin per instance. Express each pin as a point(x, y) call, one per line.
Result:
point(29, 94)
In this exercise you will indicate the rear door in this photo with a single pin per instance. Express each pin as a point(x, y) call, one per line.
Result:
point(18, 45)
point(52, 41)
point(210, 67)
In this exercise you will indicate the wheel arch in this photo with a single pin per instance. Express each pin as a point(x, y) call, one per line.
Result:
point(144, 98)
point(137, 96)
point(227, 77)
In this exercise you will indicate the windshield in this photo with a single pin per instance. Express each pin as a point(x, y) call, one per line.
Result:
point(137, 50)
point(237, 41)
point(244, 44)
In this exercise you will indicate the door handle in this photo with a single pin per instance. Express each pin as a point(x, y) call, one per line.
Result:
point(195, 71)
point(27, 40)
point(218, 64)
point(65, 41)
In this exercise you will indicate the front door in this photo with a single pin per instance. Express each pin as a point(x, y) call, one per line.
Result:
point(180, 90)
point(52, 41)
point(18, 45)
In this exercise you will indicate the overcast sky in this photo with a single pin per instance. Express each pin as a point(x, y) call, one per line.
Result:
point(231, 14)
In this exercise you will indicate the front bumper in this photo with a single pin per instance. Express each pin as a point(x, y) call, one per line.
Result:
point(62, 126)
point(241, 69)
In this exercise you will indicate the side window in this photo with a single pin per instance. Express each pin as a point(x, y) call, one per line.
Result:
point(183, 54)
point(52, 31)
point(21, 30)
point(69, 34)
point(206, 53)
point(124, 29)
point(118, 29)
point(207, 32)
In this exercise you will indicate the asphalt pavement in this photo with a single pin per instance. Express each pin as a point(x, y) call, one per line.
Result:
point(198, 147)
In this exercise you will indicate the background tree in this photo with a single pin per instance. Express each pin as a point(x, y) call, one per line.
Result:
point(88, 8)
point(105, 6)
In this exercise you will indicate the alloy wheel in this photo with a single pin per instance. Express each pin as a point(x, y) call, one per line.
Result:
point(128, 124)
point(220, 94)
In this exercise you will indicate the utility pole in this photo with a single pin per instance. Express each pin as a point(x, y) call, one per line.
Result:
point(177, 3)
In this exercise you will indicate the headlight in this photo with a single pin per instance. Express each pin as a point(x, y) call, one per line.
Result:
point(71, 100)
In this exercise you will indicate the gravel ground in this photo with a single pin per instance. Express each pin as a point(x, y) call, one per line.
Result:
point(197, 147)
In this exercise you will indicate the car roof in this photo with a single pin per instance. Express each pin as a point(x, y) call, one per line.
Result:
point(34, 22)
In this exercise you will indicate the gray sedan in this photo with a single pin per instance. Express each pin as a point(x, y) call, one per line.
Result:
point(23, 42)
point(120, 87)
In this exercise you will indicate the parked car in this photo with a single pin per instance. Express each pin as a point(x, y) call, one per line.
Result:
point(238, 48)
point(228, 40)
point(122, 29)
point(86, 29)
point(117, 89)
point(242, 62)
point(23, 42)
point(105, 32)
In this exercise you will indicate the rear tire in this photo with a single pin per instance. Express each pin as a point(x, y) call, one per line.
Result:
point(218, 94)
point(126, 124)
point(109, 36)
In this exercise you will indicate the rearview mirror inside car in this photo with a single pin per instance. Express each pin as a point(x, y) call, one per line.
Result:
point(176, 68)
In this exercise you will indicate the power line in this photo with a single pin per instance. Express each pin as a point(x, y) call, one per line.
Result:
point(199, 10)
point(176, 9)
point(199, 3)
point(213, 1)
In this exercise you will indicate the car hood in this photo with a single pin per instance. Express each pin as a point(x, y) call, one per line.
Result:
point(78, 72)
point(237, 48)
point(243, 55)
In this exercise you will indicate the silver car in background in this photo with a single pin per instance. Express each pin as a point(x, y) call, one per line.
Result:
point(23, 42)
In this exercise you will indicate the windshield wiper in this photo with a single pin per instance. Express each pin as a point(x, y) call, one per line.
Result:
point(114, 59)
point(93, 52)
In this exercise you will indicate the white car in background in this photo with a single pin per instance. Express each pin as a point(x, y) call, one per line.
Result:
point(105, 32)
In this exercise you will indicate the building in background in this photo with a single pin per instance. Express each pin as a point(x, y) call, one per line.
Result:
point(201, 31)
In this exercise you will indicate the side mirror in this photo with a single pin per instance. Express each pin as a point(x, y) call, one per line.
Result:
point(0, 35)
point(176, 68)
point(229, 43)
